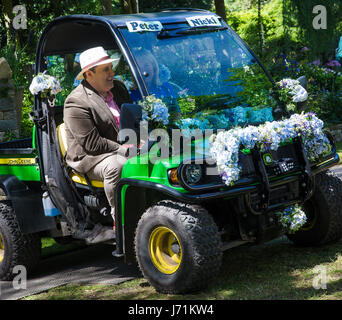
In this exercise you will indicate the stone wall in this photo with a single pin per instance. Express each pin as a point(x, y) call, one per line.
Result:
point(9, 119)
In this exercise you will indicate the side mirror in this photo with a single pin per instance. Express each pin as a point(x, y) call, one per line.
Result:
point(303, 82)
point(130, 117)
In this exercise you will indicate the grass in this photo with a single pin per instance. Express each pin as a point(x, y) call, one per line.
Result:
point(51, 248)
point(273, 271)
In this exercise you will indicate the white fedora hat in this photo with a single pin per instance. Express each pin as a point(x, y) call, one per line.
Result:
point(91, 58)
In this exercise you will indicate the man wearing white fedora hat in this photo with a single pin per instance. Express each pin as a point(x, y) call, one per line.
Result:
point(91, 117)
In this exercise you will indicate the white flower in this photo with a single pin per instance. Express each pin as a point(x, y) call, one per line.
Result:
point(246, 68)
point(225, 146)
point(249, 136)
point(45, 84)
point(298, 93)
point(292, 218)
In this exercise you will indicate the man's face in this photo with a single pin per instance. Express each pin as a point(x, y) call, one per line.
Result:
point(102, 78)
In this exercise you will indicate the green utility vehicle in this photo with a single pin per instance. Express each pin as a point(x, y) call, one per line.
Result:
point(174, 214)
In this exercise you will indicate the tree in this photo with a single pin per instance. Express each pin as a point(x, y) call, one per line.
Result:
point(221, 9)
point(261, 34)
point(128, 6)
point(7, 17)
point(322, 42)
point(156, 5)
point(261, 29)
point(106, 6)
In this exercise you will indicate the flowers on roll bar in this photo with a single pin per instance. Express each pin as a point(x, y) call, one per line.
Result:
point(155, 112)
point(45, 84)
point(291, 92)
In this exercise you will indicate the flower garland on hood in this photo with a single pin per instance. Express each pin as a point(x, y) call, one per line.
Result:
point(225, 146)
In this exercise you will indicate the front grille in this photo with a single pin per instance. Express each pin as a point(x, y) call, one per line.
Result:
point(279, 194)
point(284, 160)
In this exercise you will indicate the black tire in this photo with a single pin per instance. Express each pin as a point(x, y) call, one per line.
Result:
point(16, 248)
point(323, 211)
point(195, 242)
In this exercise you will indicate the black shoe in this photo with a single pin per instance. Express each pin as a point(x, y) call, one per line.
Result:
point(99, 234)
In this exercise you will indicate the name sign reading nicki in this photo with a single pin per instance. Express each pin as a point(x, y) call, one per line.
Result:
point(204, 21)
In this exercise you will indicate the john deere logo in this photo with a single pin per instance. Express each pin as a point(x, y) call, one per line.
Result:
point(268, 160)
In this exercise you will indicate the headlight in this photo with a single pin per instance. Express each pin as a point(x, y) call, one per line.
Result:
point(173, 176)
point(192, 173)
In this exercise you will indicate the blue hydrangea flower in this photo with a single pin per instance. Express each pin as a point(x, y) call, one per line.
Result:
point(292, 218)
point(239, 115)
point(154, 111)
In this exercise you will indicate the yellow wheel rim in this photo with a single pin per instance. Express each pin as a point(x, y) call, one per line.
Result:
point(165, 250)
point(2, 249)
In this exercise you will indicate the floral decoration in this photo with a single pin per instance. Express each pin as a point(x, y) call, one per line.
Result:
point(291, 92)
point(45, 84)
point(292, 218)
point(261, 115)
point(225, 146)
point(154, 112)
point(190, 124)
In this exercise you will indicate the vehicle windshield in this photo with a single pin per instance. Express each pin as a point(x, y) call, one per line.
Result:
point(207, 77)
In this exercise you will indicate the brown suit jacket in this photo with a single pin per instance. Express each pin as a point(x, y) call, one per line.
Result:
point(91, 130)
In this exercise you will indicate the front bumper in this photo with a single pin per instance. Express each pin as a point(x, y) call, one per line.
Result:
point(244, 187)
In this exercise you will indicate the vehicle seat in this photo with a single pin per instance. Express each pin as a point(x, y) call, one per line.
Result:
point(63, 146)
